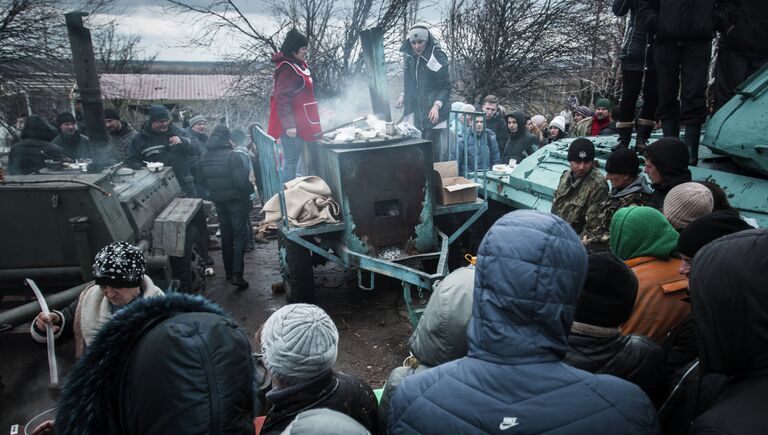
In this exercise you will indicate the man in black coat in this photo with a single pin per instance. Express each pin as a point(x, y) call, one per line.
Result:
point(161, 141)
point(299, 344)
point(225, 176)
point(730, 311)
point(496, 121)
point(30, 153)
point(596, 343)
point(74, 144)
point(683, 32)
point(742, 50)
point(427, 88)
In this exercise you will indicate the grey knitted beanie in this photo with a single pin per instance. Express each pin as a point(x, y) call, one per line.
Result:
point(299, 343)
point(686, 202)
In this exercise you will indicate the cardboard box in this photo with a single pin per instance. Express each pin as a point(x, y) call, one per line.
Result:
point(452, 189)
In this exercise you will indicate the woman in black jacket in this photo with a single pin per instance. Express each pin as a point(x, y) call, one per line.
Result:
point(34, 148)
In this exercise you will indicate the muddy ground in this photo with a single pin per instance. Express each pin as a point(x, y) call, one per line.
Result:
point(372, 325)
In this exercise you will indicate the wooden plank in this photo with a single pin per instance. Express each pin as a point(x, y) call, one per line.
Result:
point(171, 226)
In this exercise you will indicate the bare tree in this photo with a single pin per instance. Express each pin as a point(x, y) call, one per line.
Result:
point(118, 53)
point(332, 28)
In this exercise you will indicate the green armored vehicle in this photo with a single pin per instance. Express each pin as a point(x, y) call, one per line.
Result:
point(734, 154)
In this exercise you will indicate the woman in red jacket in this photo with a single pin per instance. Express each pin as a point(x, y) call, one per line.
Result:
point(293, 115)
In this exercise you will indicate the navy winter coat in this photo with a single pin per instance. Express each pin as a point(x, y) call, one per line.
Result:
point(529, 271)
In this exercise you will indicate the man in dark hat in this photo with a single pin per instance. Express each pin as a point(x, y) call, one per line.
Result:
point(596, 345)
point(198, 135)
point(582, 189)
point(294, 118)
point(74, 144)
point(427, 84)
point(161, 141)
point(627, 188)
point(597, 124)
point(121, 133)
point(666, 163)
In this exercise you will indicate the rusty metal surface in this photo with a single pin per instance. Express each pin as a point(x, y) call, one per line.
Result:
point(382, 189)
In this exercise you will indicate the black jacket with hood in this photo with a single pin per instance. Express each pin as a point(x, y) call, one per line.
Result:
point(730, 311)
point(670, 157)
point(686, 20)
point(520, 144)
point(35, 147)
point(177, 364)
point(498, 125)
point(222, 171)
point(426, 81)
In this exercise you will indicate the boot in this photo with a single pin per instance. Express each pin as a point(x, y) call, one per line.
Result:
point(644, 129)
point(625, 135)
point(239, 282)
point(692, 136)
point(671, 127)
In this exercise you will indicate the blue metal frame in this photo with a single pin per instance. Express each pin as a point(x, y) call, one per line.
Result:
point(269, 150)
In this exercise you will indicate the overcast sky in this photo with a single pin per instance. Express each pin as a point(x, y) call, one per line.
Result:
point(165, 33)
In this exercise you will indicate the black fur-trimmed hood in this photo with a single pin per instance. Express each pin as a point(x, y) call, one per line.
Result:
point(157, 332)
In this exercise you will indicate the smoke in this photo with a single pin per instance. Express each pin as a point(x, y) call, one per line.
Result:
point(353, 103)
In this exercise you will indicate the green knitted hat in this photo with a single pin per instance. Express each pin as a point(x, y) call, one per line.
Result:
point(604, 103)
point(640, 232)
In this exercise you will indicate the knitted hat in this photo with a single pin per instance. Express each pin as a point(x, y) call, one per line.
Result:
point(608, 296)
point(294, 40)
point(324, 421)
point(670, 157)
point(120, 265)
point(623, 161)
point(557, 121)
point(299, 343)
point(603, 103)
point(158, 113)
point(195, 119)
point(686, 202)
point(64, 117)
point(111, 113)
point(418, 32)
point(584, 111)
point(581, 150)
point(239, 137)
point(541, 119)
point(641, 231)
point(708, 228)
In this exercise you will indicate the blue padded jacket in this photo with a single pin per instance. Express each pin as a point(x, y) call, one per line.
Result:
point(530, 268)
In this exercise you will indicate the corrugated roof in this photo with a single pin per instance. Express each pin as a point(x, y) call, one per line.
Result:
point(166, 86)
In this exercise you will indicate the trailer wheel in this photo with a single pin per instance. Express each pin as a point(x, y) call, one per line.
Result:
point(296, 269)
point(190, 269)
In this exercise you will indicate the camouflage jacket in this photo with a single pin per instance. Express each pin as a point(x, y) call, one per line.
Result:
point(579, 202)
point(638, 193)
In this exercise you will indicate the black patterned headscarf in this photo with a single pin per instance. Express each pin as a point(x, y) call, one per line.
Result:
point(120, 265)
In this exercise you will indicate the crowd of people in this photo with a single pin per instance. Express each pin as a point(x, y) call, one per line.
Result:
point(637, 306)
point(221, 168)
point(663, 333)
